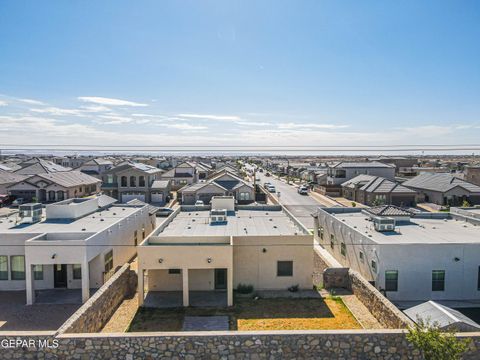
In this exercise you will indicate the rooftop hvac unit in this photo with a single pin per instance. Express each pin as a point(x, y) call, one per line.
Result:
point(30, 213)
point(384, 223)
point(218, 216)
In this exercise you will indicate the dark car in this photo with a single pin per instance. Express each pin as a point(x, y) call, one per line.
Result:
point(6, 200)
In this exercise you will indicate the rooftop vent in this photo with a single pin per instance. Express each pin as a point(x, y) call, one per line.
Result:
point(218, 216)
point(382, 224)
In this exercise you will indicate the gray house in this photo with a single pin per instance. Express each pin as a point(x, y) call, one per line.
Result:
point(343, 171)
point(224, 184)
point(375, 190)
point(132, 181)
point(444, 189)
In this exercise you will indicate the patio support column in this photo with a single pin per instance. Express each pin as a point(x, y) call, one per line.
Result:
point(230, 287)
point(29, 284)
point(185, 287)
point(85, 282)
point(141, 286)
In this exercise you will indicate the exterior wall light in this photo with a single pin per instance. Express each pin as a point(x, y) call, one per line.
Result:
point(209, 260)
point(264, 250)
point(456, 259)
point(54, 256)
point(160, 260)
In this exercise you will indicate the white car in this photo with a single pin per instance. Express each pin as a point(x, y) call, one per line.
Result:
point(303, 190)
point(271, 188)
point(199, 203)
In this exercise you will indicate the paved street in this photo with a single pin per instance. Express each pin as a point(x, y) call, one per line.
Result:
point(301, 206)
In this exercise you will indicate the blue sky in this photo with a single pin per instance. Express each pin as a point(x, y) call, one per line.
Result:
point(240, 72)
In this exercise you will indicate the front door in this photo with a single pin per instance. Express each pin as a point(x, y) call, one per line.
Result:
point(220, 279)
point(60, 275)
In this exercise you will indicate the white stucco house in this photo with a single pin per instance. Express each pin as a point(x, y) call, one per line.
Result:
point(77, 244)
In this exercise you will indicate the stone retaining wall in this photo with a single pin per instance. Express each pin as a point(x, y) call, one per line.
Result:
point(386, 344)
point(379, 306)
point(336, 278)
point(94, 314)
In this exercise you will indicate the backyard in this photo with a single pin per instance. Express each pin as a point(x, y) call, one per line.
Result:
point(250, 314)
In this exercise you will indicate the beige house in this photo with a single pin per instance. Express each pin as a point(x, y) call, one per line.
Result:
point(213, 251)
point(56, 186)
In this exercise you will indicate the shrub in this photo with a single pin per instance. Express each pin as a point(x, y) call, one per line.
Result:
point(435, 344)
point(354, 204)
point(465, 203)
point(244, 289)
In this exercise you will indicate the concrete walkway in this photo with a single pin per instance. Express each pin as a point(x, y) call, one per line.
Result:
point(205, 323)
point(360, 312)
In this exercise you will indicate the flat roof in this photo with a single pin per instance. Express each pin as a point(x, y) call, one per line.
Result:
point(418, 231)
point(91, 223)
point(243, 223)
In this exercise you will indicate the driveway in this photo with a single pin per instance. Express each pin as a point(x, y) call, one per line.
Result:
point(16, 316)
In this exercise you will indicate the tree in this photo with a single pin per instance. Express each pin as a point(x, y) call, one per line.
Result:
point(435, 344)
point(465, 203)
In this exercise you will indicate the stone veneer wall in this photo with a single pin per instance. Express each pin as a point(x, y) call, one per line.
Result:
point(386, 344)
point(94, 314)
point(384, 311)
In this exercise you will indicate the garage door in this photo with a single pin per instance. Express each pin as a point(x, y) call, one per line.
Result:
point(127, 197)
point(157, 197)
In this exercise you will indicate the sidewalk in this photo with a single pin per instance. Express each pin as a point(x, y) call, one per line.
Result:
point(323, 200)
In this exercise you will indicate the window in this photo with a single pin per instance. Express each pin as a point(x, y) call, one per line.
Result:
point(108, 261)
point(343, 249)
point(374, 266)
point(362, 257)
point(478, 278)
point(38, 272)
point(141, 181)
point(284, 268)
point(3, 267)
point(244, 196)
point(133, 181)
point(391, 280)
point(135, 237)
point(77, 271)
point(320, 232)
point(143, 232)
point(332, 244)
point(18, 267)
point(109, 179)
point(174, 271)
point(123, 181)
point(438, 280)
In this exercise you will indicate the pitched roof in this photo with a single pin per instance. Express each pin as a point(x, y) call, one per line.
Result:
point(150, 208)
point(388, 210)
point(160, 184)
point(39, 166)
point(138, 166)
point(69, 178)
point(363, 164)
point(441, 182)
point(7, 177)
point(382, 185)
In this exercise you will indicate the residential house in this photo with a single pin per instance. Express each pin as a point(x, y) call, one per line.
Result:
point(444, 189)
point(216, 250)
point(40, 166)
point(78, 245)
point(55, 186)
point(341, 172)
point(7, 179)
point(223, 184)
point(130, 181)
point(409, 257)
point(472, 174)
point(96, 167)
point(375, 190)
point(403, 164)
point(69, 161)
point(183, 174)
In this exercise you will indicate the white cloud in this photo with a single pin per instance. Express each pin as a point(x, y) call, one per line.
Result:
point(185, 127)
point(114, 119)
point(109, 101)
point(309, 126)
point(211, 117)
point(3, 103)
point(31, 101)
point(58, 111)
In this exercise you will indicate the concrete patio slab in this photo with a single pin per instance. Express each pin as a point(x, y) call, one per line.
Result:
point(172, 299)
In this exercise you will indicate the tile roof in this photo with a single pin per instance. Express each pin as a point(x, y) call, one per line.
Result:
point(160, 184)
point(7, 177)
point(69, 178)
point(388, 210)
point(441, 182)
point(364, 164)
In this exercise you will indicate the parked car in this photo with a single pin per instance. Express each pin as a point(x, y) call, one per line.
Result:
point(6, 200)
point(268, 174)
point(271, 188)
point(302, 190)
point(199, 203)
point(261, 170)
point(17, 202)
point(164, 212)
point(266, 184)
